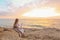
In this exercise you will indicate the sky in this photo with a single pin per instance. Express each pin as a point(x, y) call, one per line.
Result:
point(16, 8)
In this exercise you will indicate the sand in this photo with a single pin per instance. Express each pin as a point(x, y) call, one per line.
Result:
point(31, 34)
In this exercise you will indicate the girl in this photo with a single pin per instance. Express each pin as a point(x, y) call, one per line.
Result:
point(18, 28)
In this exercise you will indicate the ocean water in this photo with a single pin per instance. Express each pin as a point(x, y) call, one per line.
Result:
point(6, 22)
point(9, 23)
point(31, 23)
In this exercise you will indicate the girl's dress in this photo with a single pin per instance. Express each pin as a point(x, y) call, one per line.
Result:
point(20, 30)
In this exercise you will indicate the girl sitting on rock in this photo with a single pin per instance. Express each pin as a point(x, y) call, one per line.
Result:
point(18, 28)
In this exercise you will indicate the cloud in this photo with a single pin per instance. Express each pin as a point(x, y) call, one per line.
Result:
point(14, 7)
point(9, 7)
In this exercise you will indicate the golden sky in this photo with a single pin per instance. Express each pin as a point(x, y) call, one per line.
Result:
point(16, 8)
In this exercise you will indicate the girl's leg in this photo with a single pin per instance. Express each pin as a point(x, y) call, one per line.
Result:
point(19, 32)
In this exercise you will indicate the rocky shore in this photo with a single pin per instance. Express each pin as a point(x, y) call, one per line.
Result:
point(31, 34)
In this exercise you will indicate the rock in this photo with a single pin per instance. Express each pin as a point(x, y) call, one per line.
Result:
point(1, 29)
point(8, 35)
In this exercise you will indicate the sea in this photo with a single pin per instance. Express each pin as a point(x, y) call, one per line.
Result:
point(6, 22)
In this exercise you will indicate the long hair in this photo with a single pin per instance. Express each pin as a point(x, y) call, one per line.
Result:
point(15, 23)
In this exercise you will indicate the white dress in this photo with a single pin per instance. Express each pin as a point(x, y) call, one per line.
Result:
point(20, 28)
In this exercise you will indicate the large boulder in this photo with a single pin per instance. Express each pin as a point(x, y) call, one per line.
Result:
point(8, 34)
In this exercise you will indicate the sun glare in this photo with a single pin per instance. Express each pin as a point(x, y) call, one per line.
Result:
point(41, 12)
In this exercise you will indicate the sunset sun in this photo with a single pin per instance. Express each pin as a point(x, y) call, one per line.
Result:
point(41, 12)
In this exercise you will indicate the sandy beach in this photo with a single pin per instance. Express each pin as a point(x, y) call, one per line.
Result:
point(31, 34)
